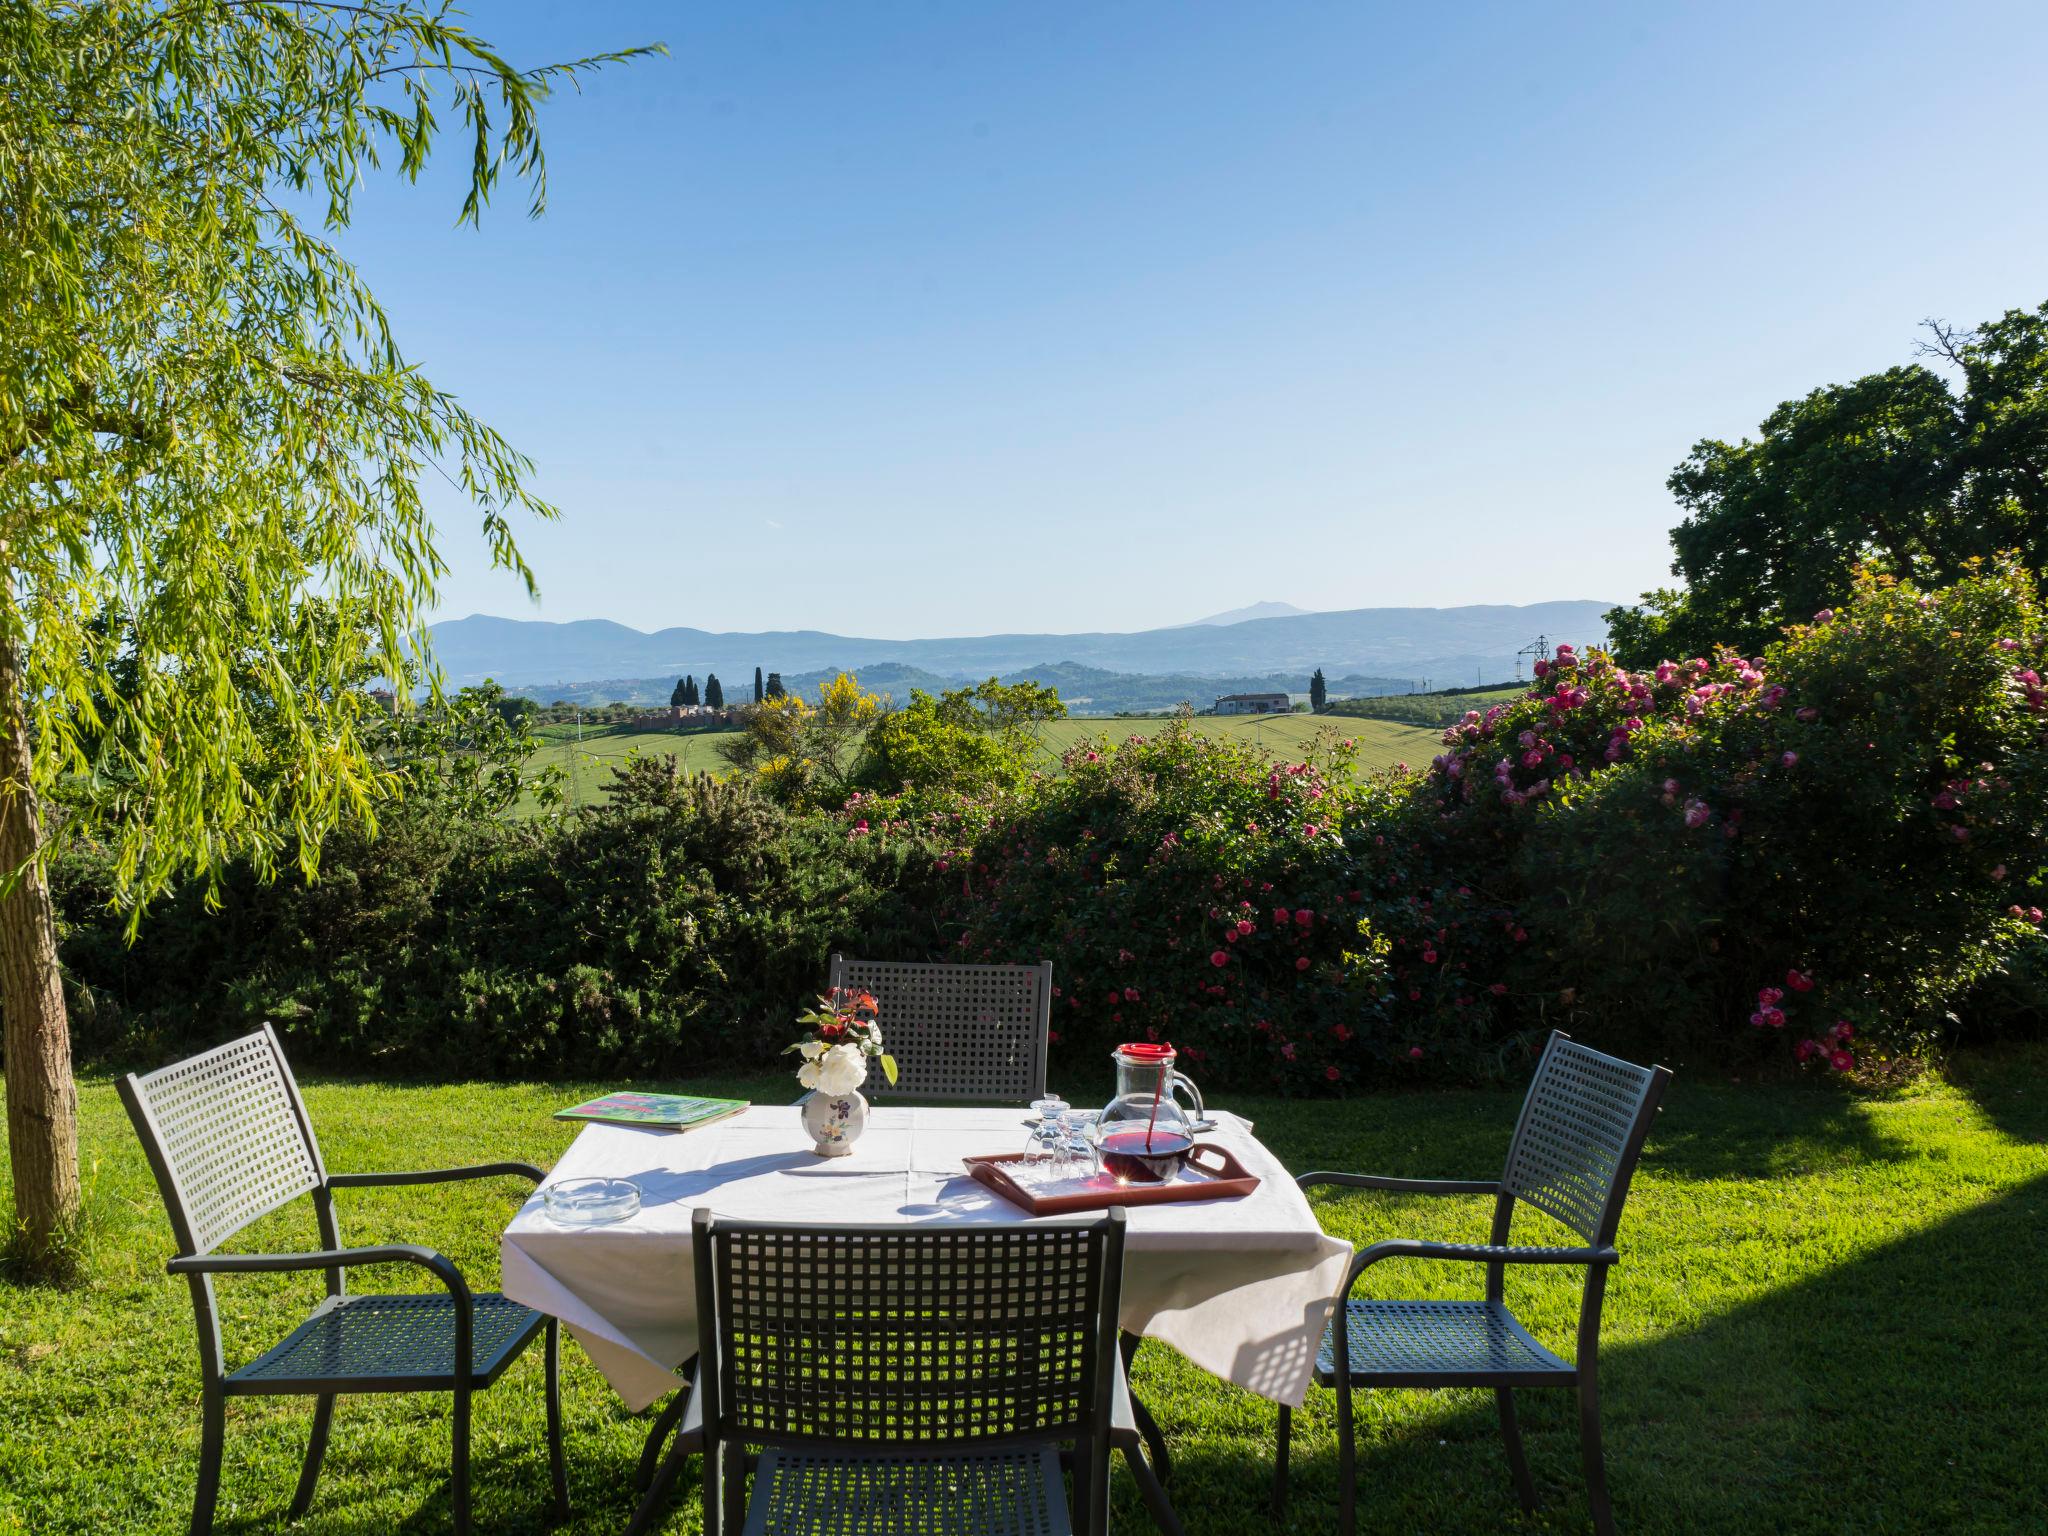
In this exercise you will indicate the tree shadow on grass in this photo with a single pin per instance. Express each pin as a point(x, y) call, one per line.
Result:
point(2010, 1085)
point(1900, 1392)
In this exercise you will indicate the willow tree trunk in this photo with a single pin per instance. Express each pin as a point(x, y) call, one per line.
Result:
point(42, 1101)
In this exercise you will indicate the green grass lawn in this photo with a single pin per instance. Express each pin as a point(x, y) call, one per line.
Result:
point(1826, 1319)
point(1381, 743)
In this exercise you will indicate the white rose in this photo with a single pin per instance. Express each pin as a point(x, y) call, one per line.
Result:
point(807, 1074)
point(811, 1050)
point(840, 1070)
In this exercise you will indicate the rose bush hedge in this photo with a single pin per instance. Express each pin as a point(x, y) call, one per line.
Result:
point(1833, 852)
point(1187, 889)
point(1831, 843)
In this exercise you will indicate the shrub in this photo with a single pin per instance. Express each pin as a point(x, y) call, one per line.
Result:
point(1818, 846)
point(1836, 846)
point(672, 926)
point(1187, 890)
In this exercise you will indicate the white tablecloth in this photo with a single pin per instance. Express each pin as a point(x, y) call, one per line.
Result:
point(1244, 1288)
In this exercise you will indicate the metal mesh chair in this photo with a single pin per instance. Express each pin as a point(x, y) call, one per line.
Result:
point(906, 1380)
point(959, 1033)
point(1572, 1157)
point(229, 1141)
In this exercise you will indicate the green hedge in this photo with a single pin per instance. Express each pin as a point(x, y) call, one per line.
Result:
point(1832, 850)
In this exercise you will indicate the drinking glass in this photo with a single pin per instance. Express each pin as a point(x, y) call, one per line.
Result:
point(1043, 1140)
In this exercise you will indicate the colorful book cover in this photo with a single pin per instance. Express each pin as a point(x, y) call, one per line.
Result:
point(667, 1111)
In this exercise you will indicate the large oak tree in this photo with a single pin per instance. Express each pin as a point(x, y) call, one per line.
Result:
point(205, 425)
point(1912, 470)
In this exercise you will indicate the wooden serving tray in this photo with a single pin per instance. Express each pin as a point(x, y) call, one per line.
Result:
point(1227, 1180)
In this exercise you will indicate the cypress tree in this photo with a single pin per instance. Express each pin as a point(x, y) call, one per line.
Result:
point(757, 685)
point(678, 696)
point(1318, 692)
point(714, 693)
point(774, 685)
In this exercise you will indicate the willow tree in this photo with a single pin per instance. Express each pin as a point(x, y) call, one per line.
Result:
point(206, 424)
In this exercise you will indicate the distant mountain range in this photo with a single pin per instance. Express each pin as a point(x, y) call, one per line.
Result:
point(1404, 645)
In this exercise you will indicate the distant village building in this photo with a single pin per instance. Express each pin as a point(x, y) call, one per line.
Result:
point(385, 700)
point(681, 715)
point(1254, 704)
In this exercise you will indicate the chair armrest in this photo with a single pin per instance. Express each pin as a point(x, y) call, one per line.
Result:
point(1402, 1186)
point(432, 1176)
point(1472, 1253)
point(442, 1267)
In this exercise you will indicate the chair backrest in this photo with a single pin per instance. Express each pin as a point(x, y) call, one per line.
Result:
point(1581, 1129)
point(227, 1135)
point(966, 1033)
point(920, 1336)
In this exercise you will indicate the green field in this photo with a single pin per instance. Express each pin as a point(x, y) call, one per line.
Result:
point(1381, 743)
point(1429, 709)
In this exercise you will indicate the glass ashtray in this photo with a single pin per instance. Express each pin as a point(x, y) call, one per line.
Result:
point(591, 1202)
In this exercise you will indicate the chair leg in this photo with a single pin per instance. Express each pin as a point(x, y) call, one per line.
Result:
point(732, 1491)
point(316, 1452)
point(664, 1425)
point(1347, 1461)
point(212, 1427)
point(1157, 1504)
point(1155, 1442)
point(1589, 1448)
point(1280, 1443)
point(1511, 1432)
point(558, 1467)
point(660, 1488)
point(458, 1485)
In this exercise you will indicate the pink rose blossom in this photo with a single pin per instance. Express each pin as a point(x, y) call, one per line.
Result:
point(1825, 616)
point(1303, 917)
point(1789, 760)
point(1843, 1030)
point(1799, 981)
point(1301, 962)
point(1696, 813)
point(1244, 925)
point(1841, 1061)
point(1808, 1049)
point(1287, 1050)
point(1218, 958)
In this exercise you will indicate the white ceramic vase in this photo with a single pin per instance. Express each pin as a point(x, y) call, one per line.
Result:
point(835, 1121)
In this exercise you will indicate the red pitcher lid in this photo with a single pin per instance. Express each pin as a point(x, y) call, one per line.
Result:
point(1146, 1050)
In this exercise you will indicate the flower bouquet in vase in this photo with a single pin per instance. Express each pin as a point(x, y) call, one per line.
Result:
point(841, 1035)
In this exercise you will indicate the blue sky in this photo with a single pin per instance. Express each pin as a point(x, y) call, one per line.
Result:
point(948, 319)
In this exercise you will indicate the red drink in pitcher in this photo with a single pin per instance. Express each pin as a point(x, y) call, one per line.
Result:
point(1132, 1156)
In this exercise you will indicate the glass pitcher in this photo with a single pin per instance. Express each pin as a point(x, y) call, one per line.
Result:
point(1143, 1133)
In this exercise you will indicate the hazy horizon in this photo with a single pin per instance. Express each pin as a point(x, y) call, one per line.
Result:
point(900, 320)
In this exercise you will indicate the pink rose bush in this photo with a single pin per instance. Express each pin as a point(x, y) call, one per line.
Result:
point(1826, 832)
point(1187, 889)
point(1818, 855)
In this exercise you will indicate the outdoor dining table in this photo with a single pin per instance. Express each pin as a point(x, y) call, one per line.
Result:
point(1242, 1287)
